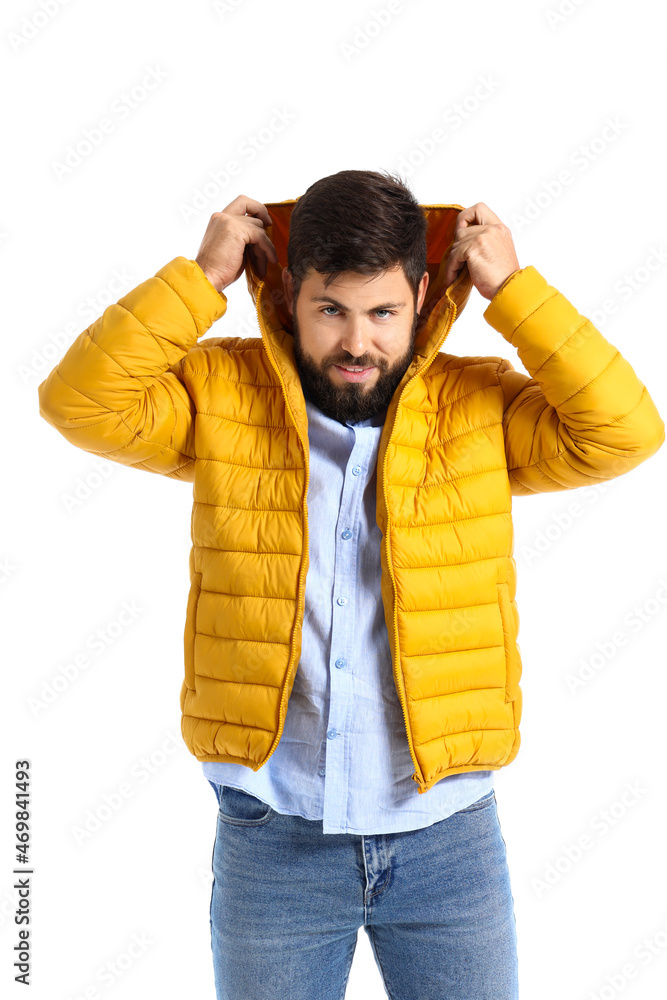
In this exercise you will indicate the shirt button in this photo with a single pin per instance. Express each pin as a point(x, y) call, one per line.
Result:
point(332, 734)
point(340, 663)
point(342, 600)
point(356, 470)
point(321, 772)
point(346, 534)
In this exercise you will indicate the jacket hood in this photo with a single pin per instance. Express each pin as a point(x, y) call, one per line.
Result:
point(440, 300)
point(442, 304)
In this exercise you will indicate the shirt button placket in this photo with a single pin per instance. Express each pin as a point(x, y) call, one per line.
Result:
point(344, 568)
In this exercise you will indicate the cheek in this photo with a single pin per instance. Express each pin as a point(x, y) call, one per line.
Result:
point(393, 345)
point(318, 343)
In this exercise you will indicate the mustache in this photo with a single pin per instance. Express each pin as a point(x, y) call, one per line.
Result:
point(355, 364)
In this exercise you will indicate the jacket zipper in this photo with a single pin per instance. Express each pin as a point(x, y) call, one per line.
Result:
point(418, 776)
point(301, 591)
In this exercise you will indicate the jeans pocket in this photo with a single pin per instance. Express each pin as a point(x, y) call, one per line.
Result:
point(240, 808)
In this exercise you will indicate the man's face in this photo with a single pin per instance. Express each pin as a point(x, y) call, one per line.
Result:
point(358, 321)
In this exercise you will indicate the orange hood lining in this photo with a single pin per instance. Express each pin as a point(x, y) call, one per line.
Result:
point(441, 220)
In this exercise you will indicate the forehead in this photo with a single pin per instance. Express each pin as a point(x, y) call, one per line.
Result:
point(353, 286)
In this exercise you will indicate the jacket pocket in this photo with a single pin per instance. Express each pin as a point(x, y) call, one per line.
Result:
point(510, 629)
point(191, 630)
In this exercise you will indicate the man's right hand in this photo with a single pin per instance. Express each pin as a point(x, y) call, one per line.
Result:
point(231, 234)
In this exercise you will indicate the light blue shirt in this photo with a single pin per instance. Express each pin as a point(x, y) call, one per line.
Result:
point(343, 757)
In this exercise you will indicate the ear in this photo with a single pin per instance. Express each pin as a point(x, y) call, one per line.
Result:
point(421, 292)
point(288, 288)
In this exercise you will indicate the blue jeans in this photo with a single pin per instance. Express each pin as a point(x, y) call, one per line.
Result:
point(287, 902)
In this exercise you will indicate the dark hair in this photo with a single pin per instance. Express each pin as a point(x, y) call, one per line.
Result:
point(357, 220)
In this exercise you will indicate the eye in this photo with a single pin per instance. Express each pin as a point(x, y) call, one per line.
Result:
point(389, 312)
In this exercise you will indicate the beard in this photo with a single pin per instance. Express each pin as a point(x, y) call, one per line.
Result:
point(353, 401)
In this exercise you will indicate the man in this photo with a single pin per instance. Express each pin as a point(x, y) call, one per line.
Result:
point(352, 559)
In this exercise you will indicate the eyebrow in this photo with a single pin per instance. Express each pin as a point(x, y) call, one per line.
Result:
point(339, 305)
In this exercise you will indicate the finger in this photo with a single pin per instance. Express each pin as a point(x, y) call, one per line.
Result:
point(260, 250)
point(258, 259)
point(259, 228)
point(473, 230)
point(467, 227)
point(242, 205)
point(481, 213)
point(455, 262)
point(474, 217)
point(466, 237)
point(264, 244)
point(465, 217)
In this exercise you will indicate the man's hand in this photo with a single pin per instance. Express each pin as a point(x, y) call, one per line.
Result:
point(485, 244)
point(230, 236)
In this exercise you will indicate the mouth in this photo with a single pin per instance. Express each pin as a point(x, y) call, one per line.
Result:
point(355, 375)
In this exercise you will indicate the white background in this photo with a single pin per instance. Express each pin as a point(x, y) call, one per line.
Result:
point(359, 96)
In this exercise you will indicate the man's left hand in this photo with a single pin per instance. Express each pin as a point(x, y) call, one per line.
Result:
point(485, 244)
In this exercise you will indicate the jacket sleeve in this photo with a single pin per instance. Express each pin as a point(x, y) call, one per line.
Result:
point(119, 392)
point(582, 415)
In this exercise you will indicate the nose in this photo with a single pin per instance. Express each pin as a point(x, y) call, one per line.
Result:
point(355, 339)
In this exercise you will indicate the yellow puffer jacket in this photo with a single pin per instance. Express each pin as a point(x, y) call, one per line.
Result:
point(462, 436)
